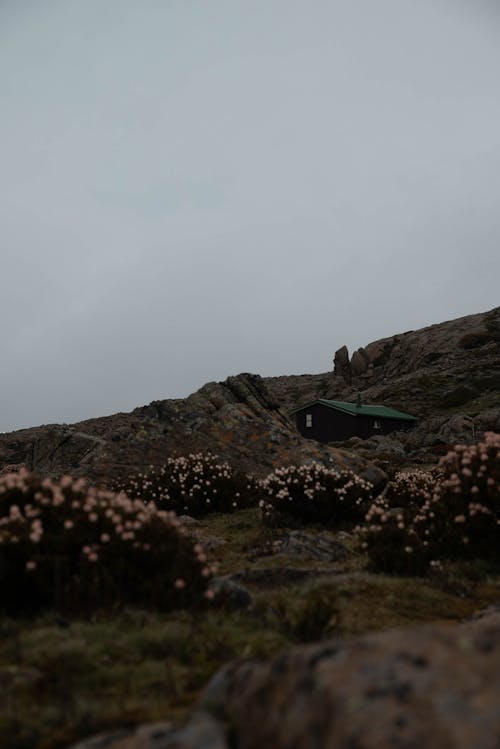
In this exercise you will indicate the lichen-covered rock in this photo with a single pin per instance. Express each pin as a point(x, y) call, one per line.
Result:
point(432, 687)
point(323, 546)
point(203, 732)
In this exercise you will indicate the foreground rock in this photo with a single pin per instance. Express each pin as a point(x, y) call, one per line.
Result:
point(435, 687)
point(203, 732)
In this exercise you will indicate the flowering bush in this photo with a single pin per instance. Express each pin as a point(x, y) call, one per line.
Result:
point(391, 539)
point(194, 485)
point(65, 545)
point(313, 493)
point(465, 508)
point(411, 488)
point(458, 518)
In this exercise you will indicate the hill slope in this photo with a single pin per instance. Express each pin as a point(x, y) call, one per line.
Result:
point(434, 373)
point(237, 419)
point(447, 374)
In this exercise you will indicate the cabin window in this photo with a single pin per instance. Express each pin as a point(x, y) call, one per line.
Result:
point(376, 424)
point(309, 420)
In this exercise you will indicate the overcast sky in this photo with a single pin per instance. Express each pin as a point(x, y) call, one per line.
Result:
point(194, 188)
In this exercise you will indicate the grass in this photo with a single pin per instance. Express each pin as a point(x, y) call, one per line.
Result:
point(61, 681)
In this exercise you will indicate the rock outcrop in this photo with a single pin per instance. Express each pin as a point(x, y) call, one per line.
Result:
point(342, 365)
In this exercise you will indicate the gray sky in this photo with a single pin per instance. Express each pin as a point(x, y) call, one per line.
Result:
point(195, 188)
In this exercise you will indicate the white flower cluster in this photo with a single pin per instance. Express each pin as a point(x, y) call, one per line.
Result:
point(70, 507)
point(195, 482)
point(290, 488)
point(441, 514)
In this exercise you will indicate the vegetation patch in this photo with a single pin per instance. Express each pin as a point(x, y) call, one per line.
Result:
point(77, 549)
point(195, 484)
point(313, 493)
point(458, 518)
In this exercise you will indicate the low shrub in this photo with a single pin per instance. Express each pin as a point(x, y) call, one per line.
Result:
point(195, 485)
point(391, 539)
point(459, 518)
point(411, 488)
point(465, 506)
point(314, 494)
point(64, 545)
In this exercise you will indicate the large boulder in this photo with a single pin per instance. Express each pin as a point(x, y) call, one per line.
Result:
point(341, 365)
point(433, 687)
point(360, 362)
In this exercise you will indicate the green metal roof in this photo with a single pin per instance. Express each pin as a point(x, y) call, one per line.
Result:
point(381, 412)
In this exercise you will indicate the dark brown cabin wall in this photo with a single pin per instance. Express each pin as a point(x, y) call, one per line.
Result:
point(327, 425)
point(387, 426)
point(330, 425)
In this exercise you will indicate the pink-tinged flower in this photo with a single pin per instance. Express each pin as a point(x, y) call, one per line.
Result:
point(105, 538)
point(93, 557)
point(57, 498)
point(68, 524)
point(180, 584)
point(31, 565)
point(209, 595)
point(93, 517)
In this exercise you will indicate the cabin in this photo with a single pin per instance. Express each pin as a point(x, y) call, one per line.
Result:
point(331, 421)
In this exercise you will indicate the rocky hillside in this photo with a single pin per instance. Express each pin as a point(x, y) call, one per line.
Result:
point(446, 374)
point(238, 419)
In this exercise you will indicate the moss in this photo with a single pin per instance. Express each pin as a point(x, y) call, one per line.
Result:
point(90, 676)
